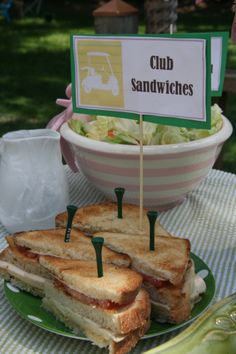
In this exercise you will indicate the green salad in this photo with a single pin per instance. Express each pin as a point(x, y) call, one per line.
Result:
point(126, 131)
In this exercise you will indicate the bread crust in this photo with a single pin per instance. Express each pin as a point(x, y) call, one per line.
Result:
point(172, 303)
point(118, 284)
point(173, 315)
point(103, 217)
point(140, 312)
point(129, 341)
point(51, 242)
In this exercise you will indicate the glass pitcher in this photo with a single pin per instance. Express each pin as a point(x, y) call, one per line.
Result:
point(33, 182)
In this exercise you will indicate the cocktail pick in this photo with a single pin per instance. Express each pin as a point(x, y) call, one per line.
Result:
point(119, 191)
point(152, 216)
point(98, 243)
point(71, 210)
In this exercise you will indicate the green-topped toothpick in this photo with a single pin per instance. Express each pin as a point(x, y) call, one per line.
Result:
point(71, 210)
point(98, 243)
point(119, 191)
point(152, 216)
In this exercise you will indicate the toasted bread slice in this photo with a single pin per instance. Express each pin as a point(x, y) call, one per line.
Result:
point(118, 284)
point(169, 261)
point(103, 217)
point(51, 242)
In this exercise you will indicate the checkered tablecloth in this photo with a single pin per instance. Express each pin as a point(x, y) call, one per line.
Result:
point(207, 217)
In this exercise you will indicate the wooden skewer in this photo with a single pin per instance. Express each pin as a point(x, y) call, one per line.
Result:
point(141, 173)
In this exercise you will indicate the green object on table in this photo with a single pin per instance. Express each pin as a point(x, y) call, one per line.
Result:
point(213, 332)
point(98, 243)
point(71, 210)
point(119, 191)
point(152, 216)
point(30, 308)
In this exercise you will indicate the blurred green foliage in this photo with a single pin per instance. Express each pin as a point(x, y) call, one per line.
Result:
point(35, 59)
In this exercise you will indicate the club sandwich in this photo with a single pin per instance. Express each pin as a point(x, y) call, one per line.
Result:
point(113, 311)
point(19, 262)
point(168, 273)
point(103, 217)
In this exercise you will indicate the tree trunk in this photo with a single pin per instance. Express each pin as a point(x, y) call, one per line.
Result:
point(233, 30)
point(160, 15)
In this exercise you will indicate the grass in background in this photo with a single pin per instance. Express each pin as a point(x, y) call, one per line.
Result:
point(35, 62)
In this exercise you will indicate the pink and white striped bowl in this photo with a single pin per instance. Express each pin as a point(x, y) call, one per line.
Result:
point(170, 171)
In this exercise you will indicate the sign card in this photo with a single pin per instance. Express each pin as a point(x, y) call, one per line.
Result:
point(166, 79)
point(219, 43)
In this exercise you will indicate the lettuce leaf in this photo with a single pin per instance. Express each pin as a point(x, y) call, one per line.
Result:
point(126, 131)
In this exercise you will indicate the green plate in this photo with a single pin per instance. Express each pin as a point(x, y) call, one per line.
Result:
point(29, 307)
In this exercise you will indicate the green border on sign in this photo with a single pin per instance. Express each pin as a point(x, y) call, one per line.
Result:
point(225, 39)
point(179, 122)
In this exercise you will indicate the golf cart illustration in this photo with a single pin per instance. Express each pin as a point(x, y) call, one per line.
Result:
point(95, 80)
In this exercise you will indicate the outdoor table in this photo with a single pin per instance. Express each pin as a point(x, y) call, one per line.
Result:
point(207, 217)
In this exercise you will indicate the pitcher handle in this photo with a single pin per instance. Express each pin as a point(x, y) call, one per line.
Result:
point(1, 146)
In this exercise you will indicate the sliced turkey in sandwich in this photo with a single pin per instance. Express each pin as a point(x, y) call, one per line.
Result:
point(112, 311)
point(22, 271)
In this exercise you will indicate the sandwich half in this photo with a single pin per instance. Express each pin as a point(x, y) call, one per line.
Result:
point(103, 217)
point(21, 270)
point(113, 311)
point(168, 273)
point(19, 262)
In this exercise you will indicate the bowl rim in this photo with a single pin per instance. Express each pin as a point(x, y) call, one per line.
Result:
point(99, 146)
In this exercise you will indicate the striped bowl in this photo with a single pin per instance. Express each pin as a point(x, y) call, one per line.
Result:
point(170, 172)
